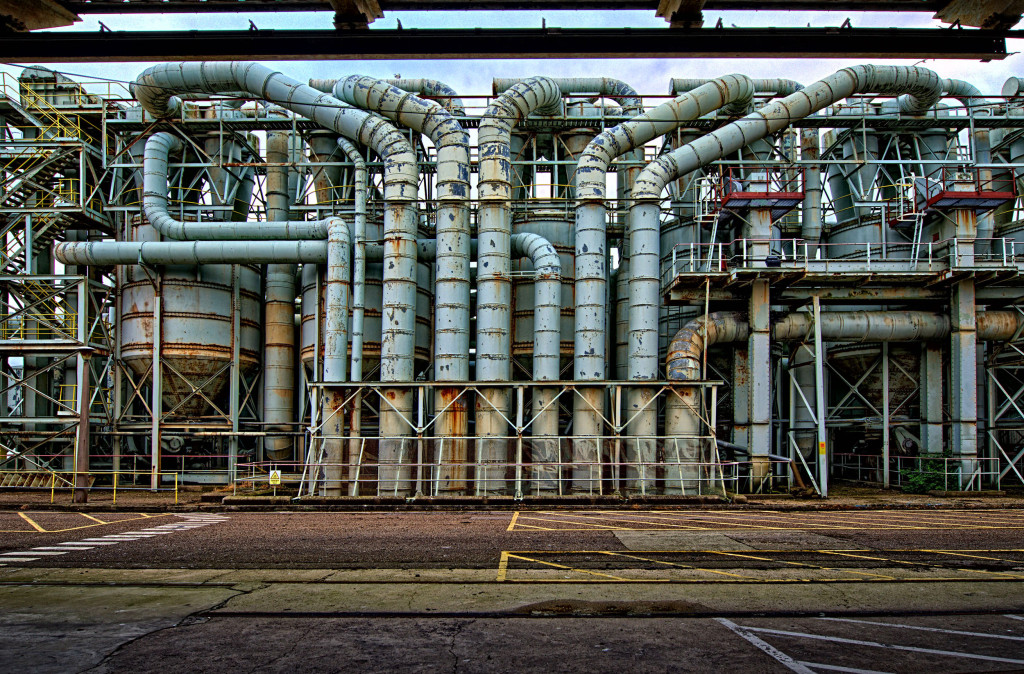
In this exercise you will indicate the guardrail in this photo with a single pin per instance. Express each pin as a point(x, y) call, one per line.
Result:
point(928, 472)
point(65, 481)
point(801, 255)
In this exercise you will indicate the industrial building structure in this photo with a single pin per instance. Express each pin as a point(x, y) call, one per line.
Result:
point(384, 288)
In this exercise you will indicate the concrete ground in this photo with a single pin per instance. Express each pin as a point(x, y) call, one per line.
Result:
point(653, 589)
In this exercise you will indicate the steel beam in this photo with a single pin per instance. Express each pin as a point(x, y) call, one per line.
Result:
point(504, 43)
point(206, 6)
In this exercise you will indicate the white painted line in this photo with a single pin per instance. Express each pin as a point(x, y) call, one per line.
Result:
point(40, 551)
point(66, 548)
point(21, 559)
point(12, 554)
point(837, 668)
point(875, 644)
point(97, 541)
point(151, 531)
point(781, 657)
point(1013, 617)
point(924, 629)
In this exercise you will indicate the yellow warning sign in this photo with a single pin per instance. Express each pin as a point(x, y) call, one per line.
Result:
point(821, 448)
point(275, 478)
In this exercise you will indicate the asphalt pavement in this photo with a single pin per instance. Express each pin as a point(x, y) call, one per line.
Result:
point(558, 590)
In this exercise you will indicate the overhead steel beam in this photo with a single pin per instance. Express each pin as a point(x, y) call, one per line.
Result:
point(202, 6)
point(933, 43)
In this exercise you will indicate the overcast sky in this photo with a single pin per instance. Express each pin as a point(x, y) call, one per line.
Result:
point(648, 76)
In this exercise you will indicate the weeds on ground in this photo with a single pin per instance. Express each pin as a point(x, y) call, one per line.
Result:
point(929, 475)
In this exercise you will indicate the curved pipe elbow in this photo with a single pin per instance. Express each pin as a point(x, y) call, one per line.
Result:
point(686, 350)
point(541, 253)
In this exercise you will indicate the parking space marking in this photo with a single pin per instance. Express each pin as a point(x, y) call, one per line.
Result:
point(96, 522)
point(680, 566)
point(766, 647)
point(32, 523)
point(1013, 617)
point(837, 668)
point(879, 573)
point(188, 522)
point(925, 564)
point(877, 644)
point(804, 565)
point(656, 520)
point(925, 629)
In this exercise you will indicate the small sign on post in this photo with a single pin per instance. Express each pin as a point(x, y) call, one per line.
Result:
point(274, 480)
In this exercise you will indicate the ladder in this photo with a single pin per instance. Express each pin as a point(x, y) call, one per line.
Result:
point(915, 249)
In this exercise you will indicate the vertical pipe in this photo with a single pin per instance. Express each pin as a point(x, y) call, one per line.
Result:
point(356, 442)
point(494, 221)
point(759, 350)
point(451, 308)
point(819, 401)
point(279, 315)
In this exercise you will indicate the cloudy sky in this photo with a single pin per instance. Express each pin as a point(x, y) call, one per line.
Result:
point(648, 76)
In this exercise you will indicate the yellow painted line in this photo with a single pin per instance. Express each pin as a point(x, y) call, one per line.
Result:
point(955, 519)
point(591, 527)
point(94, 519)
point(926, 565)
point(520, 526)
point(804, 564)
point(502, 567)
point(793, 522)
point(512, 524)
point(929, 522)
point(631, 521)
point(681, 566)
point(84, 526)
point(964, 554)
point(567, 568)
point(647, 515)
point(32, 522)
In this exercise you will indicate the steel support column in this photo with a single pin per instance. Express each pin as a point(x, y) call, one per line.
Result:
point(931, 397)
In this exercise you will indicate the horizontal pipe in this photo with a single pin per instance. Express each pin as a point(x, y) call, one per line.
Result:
point(686, 351)
point(155, 205)
point(445, 95)
point(101, 253)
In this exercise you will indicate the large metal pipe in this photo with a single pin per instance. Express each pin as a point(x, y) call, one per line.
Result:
point(494, 286)
point(447, 97)
point(547, 308)
point(451, 285)
point(155, 89)
point(106, 253)
point(278, 313)
point(686, 351)
point(774, 87)
point(922, 85)
point(606, 87)
point(155, 205)
point(591, 214)
point(359, 255)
